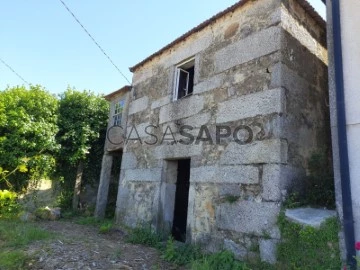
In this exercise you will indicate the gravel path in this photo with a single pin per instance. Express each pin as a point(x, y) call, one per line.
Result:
point(82, 247)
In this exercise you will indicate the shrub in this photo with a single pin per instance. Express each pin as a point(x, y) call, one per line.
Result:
point(305, 247)
point(8, 202)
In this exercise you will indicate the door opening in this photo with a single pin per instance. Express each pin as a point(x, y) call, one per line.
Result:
point(181, 200)
point(113, 184)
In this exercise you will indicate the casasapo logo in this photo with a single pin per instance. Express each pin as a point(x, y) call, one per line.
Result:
point(184, 134)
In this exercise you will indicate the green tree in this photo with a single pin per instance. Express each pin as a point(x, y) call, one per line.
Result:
point(82, 118)
point(28, 125)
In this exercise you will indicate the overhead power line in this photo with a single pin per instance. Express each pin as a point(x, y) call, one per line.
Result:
point(93, 39)
point(17, 74)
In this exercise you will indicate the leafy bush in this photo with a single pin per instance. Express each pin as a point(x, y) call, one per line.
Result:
point(28, 124)
point(8, 202)
point(64, 199)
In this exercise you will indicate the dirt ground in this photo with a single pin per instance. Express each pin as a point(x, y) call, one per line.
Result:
point(83, 247)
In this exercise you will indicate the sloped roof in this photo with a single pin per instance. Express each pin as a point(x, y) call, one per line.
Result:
point(108, 97)
point(303, 3)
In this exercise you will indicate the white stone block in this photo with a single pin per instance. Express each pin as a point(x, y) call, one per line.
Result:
point(138, 105)
point(249, 48)
point(225, 174)
point(177, 151)
point(247, 216)
point(160, 102)
point(209, 83)
point(143, 175)
point(181, 108)
point(261, 103)
point(267, 151)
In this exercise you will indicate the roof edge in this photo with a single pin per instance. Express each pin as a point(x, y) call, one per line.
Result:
point(108, 97)
point(303, 3)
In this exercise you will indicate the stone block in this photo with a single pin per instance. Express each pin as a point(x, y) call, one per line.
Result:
point(278, 177)
point(247, 216)
point(309, 216)
point(181, 108)
point(142, 75)
point(190, 47)
point(143, 175)
point(138, 105)
point(260, 103)
point(209, 84)
point(225, 174)
point(176, 151)
point(197, 120)
point(139, 130)
point(239, 251)
point(160, 102)
point(252, 47)
point(267, 151)
point(128, 161)
point(268, 249)
point(298, 31)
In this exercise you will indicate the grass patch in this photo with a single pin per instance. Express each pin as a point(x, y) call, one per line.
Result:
point(104, 225)
point(13, 259)
point(223, 260)
point(307, 247)
point(15, 235)
point(145, 235)
point(180, 254)
point(88, 221)
point(184, 254)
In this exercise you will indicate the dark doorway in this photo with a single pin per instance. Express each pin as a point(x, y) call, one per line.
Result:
point(113, 184)
point(181, 200)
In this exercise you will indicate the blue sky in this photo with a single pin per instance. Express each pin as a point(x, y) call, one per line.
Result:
point(43, 43)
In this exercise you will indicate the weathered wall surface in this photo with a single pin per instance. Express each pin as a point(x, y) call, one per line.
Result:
point(251, 70)
point(114, 140)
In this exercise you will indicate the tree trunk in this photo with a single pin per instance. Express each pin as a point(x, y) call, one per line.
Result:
point(77, 188)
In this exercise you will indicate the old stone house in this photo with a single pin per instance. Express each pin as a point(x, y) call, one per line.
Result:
point(218, 125)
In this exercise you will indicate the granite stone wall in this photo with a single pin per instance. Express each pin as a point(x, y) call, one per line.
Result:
point(262, 67)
